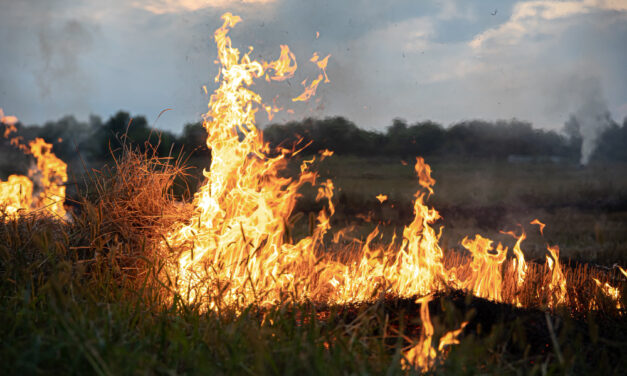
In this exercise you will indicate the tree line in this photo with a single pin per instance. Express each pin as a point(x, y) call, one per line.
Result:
point(95, 140)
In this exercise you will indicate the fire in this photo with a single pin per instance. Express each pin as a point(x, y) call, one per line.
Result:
point(237, 249)
point(310, 90)
point(485, 279)
point(557, 283)
point(422, 355)
point(8, 120)
point(49, 175)
point(609, 291)
point(382, 198)
point(15, 194)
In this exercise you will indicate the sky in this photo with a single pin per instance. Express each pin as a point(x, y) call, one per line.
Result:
point(445, 61)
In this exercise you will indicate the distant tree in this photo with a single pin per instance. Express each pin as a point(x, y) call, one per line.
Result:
point(135, 131)
point(194, 138)
point(427, 138)
point(612, 144)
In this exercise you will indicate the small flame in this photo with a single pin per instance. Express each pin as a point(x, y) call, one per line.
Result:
point(16, 194)
point(310, 90)
point(540, 225)
point(610, 291)
point(485, 280)
point(381, 197)
point(423, 355)
point(557, 284)
point(325, 153)
point(8, 120)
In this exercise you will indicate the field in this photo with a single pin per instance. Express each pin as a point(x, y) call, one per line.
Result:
point(80, 297)
point(584, 208)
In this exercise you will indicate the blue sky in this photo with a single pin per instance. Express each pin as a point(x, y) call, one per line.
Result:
point(440, 60)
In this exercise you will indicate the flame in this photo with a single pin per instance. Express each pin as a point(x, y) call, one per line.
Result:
point(15, 194)
point(9, 120)
point(381, 197)
point(423, 355)
point(310, 90)
point(49, 173)
point(284, 67)
point(610, 291)
point(557, 283)
point(540, 225)
point(485, 280)
point(325, 153)
point(237, 249)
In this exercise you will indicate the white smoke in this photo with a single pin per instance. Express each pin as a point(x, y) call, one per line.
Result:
point(589, 121)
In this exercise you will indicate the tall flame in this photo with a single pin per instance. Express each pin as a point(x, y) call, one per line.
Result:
point(237, 249)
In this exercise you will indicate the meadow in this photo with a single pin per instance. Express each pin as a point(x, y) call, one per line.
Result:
point(85, 296)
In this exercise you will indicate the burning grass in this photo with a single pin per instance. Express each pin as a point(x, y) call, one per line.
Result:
point(76, 298)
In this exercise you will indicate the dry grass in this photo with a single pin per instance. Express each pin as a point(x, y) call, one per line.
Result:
point(76, 297)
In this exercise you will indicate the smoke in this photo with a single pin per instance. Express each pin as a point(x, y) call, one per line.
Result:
point(60, 48)
point(588, 122)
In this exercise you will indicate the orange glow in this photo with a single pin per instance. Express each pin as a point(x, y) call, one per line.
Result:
point(381, 197)
point(51, 173)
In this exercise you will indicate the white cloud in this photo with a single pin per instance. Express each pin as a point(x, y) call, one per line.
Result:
point(529, 18)
point(177, 6)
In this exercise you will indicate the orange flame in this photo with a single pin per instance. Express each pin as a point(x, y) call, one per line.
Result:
point(8, 120)
point(381, 197)
point(610, 291)
point(540, 225)
point(310, 90)
point(557, 284)
point(423, 355)
point(16, 194)
point(237, 248)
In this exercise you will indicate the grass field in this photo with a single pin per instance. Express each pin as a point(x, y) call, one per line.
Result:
point(584, 208)
point(82, 297)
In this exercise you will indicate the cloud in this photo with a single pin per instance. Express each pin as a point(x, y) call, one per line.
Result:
point(417, 60)
point(178, 6)
point(528, 19)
